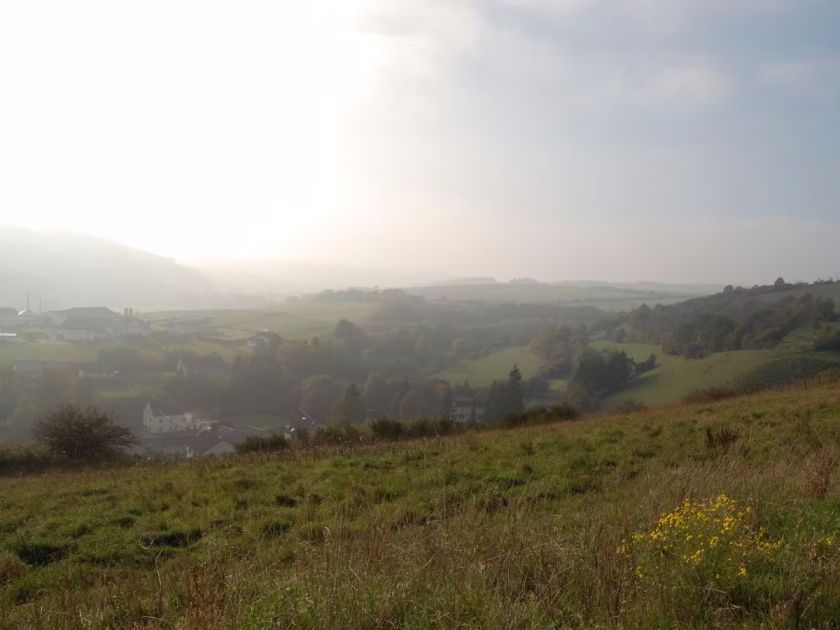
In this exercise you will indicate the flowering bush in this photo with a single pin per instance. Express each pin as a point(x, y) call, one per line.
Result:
point(716, 540)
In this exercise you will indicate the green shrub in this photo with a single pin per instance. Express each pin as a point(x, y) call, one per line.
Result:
point(173, 538)
point(83, 434)
point(542, 415)
point(39, 553)
point(386, 429)
point(712, 394)
point(263, 444)
point(344, 434)
point(24, 459)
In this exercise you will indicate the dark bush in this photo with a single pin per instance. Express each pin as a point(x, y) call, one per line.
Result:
point(828, 343)
point(175, 538)
point(284, 500)
point(39, 553)
point(344, 434)
point(712, 394)
point(83, 434)
point(263, 444)
point(15, 460)
point(542, 415)
point(632, 406)
point(386, 429)
point(720, 439)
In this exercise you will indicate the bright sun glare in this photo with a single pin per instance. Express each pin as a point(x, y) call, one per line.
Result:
point(222, 123)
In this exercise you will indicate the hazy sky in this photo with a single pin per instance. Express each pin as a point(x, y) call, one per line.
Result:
point(613, 139)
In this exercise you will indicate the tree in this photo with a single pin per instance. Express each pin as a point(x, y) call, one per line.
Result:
point(514, 396)
point(377, 394)
point(83, 434)
point(318, 395)
point(350, 407)
point(506, 397)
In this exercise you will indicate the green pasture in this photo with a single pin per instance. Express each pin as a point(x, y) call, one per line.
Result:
point(483, 371)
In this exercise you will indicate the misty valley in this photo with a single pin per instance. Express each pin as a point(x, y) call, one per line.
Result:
point(419, 314)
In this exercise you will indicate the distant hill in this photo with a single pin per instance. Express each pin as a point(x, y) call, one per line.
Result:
point(734, 319)
point(655, 287)
point(64, 270)
point(605, 297)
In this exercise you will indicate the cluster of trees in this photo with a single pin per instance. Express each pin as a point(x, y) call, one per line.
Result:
point(505, 397)
point(560, 347)
point(735, 319)
point(25, 399)
point(602, 373)
point(828, 342)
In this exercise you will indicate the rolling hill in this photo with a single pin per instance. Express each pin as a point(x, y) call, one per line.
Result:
point(720, 514)
point(63, 270)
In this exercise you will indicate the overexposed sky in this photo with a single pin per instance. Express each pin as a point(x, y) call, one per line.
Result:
point(601, 139)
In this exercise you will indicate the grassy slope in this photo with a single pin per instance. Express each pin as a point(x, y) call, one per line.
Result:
point(676, 376)
point(483, 371)
point(497, 529)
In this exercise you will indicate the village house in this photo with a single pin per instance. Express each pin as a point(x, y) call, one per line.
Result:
point(185, 445)
point(172, 422)
point(208, 440)
point(92, 323)
point(76, 329)
point(211, 365)
point(467, 410)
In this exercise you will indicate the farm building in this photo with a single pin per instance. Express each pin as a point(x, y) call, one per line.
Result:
point(207, 441)
point(75, 329)
point(172, 422)
point(92, 323)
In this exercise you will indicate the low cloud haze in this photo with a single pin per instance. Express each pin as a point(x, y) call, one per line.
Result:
point(616, 140)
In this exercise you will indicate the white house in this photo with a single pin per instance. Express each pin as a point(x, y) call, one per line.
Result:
point(467, 411)
point(84, 330)
point(163, 423)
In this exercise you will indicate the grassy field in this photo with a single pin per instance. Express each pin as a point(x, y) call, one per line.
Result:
point(157, 346)
point(483, 371)
point(720, 514)
point(677, 376)
point(46, 351)
point(295, 321)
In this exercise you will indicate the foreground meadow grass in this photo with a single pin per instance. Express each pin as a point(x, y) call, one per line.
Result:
point(724, 514)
